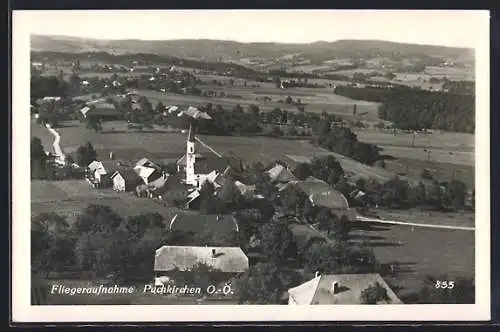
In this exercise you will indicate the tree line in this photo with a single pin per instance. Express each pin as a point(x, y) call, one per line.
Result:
point(415, 109)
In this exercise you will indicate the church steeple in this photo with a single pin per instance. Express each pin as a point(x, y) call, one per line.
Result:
point(191, 154)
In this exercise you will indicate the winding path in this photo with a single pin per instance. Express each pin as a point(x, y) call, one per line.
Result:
point(57, 147)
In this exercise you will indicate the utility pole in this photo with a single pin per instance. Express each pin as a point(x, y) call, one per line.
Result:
point(428, 155)
point(453, 167)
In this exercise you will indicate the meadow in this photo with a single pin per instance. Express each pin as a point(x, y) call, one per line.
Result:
point(420, 252)
point(71, 197)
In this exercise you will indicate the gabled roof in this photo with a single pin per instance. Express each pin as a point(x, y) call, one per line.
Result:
point(331, 199)
point(279, 173)
point(147, 162)
point(350, 287)
point(158, 183)
point(226, 259)
point(320, 193)
point(85, 110)
point(209, 164)
point(100, 109)
point(145, 172)
point(201, 223)
point(128, 175)
point(244, 188)
point(104, 167)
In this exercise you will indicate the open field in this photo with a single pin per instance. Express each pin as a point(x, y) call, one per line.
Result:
point(126, 144)
point(328, 102)
point(66, 202)
point(437, 140)
point(441, 171)
point(437, 155)
point(453, 74)
point(420, 252)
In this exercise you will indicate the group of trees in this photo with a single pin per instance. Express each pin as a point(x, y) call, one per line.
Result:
point(416, 109)
point(342, 140)
point(42, 86)
point(43, 166)
point(101, 243)
point(400, 194)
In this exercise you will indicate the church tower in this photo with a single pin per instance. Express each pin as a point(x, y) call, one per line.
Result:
point(190, 155)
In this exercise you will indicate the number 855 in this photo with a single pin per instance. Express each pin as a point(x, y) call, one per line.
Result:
point(444, 284)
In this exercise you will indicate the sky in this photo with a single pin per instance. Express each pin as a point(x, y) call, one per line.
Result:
point(457, 28)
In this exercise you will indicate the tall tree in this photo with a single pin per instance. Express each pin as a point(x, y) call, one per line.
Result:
point(85, 154)
point(51, 243)
point(278, 242)
point(265, 283)
point(98, 219)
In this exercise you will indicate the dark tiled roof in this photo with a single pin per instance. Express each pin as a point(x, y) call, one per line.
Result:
point(201, 223)
point(209, 164)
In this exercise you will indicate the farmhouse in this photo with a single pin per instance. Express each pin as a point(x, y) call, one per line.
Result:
point(99, 173)
point(148, 170)
point(102, 110)
point(125, 180)
point(338, 289)
point(170, 260)
point(200, 223)
point(154, 189)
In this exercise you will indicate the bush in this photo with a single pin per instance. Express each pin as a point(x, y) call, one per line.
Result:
point(374, 294)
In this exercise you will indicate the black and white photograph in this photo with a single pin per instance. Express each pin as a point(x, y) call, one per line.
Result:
point(231, 159)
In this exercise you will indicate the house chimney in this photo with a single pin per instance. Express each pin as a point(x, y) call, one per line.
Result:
point(213, 252)
point(335, 287)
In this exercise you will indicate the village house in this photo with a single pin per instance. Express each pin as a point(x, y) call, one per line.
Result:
point(227, 262)
point(101, 110)
point(338, 289)
point(280, 174)
point(153, 189)
point(125, 180)
point(322, 195)
point(148, 170)
point(99, 173)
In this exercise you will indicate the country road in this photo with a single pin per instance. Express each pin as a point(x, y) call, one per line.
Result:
point(394, 222)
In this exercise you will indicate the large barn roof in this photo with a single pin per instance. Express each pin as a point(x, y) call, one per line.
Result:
point(225, 259)
point(200, 223)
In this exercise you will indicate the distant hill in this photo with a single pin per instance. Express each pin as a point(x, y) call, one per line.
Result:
point(212, 50)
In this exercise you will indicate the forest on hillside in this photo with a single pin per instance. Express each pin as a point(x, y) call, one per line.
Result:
point(414, 109)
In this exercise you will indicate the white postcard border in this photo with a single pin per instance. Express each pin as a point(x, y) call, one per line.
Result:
point(23, 311)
